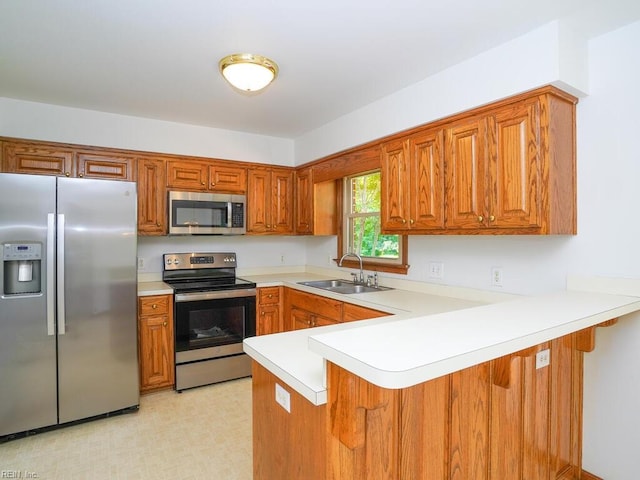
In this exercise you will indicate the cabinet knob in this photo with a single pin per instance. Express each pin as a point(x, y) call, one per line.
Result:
point(412, 221)
point(480, 218)
point(213, 184)
point(491, 218)
point(164, 324)
point(157, 224)
point(262, 313)
point(268, 227)
point(202, 183)
point(81, 174)
point(404, 221)
point(270, 295)
point(154, 306)
point(66, 174)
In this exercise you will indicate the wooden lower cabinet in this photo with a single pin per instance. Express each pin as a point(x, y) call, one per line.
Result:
point(286, 445)
point(155, 342)
point(268, 318)
point(305, 310)
point(499, 420)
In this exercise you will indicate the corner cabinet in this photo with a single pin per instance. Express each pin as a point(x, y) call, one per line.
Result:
point(155, 342)
point(270, 201)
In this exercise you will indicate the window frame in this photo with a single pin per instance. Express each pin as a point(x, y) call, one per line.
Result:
point(399, 266)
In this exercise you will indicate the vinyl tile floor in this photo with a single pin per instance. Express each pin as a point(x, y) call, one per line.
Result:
point(202, 433)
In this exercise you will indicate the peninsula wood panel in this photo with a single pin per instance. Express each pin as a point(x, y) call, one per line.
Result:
point(286, 445)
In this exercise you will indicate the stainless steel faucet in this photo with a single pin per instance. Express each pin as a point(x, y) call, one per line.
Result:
point(351, 254)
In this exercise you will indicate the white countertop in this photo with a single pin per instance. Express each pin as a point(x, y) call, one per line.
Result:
point(414, 350)
point(287, 355)
point(146, 289)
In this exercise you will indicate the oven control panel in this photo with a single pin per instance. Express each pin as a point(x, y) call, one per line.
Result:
point(183, 261)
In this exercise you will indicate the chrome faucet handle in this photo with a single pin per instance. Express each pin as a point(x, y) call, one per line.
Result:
point(369, 278)
point(355, 277)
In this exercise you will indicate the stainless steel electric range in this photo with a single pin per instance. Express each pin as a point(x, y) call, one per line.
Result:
point(214, 311)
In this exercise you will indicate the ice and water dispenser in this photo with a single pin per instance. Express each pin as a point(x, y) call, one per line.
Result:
point(22, 264)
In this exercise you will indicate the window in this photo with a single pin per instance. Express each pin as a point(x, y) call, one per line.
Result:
point(361, 225)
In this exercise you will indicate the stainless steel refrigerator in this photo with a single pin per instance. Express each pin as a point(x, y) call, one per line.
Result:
point(68, 328)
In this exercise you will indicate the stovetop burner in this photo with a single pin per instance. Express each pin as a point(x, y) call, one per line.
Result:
point(201, 272)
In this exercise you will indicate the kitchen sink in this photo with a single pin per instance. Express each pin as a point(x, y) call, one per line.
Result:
point(343, 286)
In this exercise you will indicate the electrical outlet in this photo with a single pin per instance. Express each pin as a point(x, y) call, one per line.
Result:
point(141, 263)
point(283, 398)
point(496, 276)
point(543, 358)
point(436, 269)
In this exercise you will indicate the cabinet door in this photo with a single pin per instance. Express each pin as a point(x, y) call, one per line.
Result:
point(228, 179)
point(110, 167)
point(268, 320)
point(187, 175)
point(321, 321)
point(258, 201)
point(514, 166)
point(304, 202)
point(37, 159)
point(426, 183)
point(156, 357)
point(282, 201)
point(152, 197)
point(351, 312)
point(466, 174)
point(394, 188)
point(299, 319)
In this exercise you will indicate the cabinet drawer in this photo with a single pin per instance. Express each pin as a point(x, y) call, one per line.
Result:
point(321, 306)
point(268, 295)
point(154, 305)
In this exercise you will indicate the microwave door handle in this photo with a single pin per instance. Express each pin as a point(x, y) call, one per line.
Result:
point(229, 214)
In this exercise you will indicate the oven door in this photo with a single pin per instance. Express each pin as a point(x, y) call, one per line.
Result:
point(213, 324)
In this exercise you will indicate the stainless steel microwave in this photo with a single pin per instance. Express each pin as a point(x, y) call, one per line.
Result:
point(194, 213)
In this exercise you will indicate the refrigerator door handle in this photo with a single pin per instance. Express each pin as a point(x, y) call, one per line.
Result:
point(60, 272)
point(51, 314)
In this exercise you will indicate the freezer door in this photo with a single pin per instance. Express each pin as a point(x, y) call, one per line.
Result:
point(27, 340)
point(97, 344)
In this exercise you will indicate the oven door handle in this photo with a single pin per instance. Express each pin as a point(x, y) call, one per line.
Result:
point(216, 295)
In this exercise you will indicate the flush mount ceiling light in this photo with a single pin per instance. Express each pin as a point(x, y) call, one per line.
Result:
point(248, 72)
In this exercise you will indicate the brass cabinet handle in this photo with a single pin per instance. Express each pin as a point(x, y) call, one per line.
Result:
point(157, 224)
point(268, 227)
point(164, 324)
point(154, 306)
point(270, 295)
point(262, 313)
point(404, 221)
point(213, 184)
point(66, 174)
point(412, 221)
point(491, 218)
point(480, 218)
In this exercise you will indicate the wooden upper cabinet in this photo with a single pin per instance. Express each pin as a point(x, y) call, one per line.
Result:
point(304, 201)
point(206, 176)
point(49, 159)
point(413, 183)
point(35, 158)
point(152, 197)
point(227, 178)
point(270, 201)
point(466, 173)
point(105, 166)
point(187, 175)
point(493, 164)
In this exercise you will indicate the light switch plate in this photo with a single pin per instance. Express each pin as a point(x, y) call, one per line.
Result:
point(283, 398)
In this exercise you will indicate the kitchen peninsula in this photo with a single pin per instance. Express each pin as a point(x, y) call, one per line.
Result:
point(477, 391)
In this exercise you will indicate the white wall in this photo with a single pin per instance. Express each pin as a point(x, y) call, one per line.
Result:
point(40, 121)
point(606, 244)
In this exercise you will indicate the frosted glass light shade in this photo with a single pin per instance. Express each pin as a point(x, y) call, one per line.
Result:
point(248, 72)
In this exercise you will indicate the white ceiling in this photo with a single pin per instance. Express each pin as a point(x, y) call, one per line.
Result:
point(158, 58)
